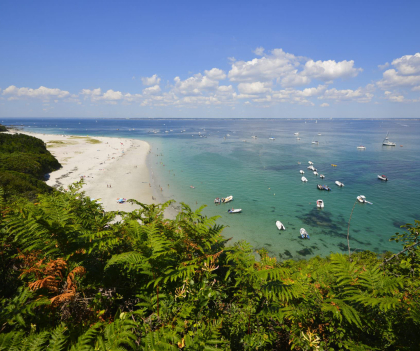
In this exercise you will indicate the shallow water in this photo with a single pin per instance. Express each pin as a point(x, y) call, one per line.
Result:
point(263, 175)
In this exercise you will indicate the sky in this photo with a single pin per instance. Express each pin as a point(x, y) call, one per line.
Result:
point(210, 59)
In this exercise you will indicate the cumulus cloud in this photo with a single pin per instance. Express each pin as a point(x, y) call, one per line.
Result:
point(215, 74)
point(259, 51)
point(40, 93)
point(152, 90)
point(360, 95)
point(153, 80)
point(330, 70)
point(254, 88)
point(324, 104)
point(406, 73)
point(95, 95)
point(382, 67)
point(195, 85)
point(397, 97)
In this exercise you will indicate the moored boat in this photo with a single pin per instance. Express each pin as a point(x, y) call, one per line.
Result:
point(304, 179)
point(320, 187)
point(322, 176)
point(326, 187)
point(319, 203)
point(339, 183)
point(361, 198)
point(382, 177)
point(235, 210)
point(227, 199)
point(280, 226)
point(361, 147)
point(217, 200)
point(304, 234)
point(386, 141)
point(301, 172)
point(316, 173)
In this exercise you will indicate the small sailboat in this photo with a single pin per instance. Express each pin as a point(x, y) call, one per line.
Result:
point(386, 141)
point(304, 179)
point(339, 183)
point(280, 226)
point(301, 172)
point(321, 176)
point(235, 210)
point(304, 234)
point(227, 199)
point(319, 203)
point(382, 177)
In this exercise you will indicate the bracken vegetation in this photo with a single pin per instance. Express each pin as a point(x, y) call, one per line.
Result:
point(76, 278)
point(24, 161)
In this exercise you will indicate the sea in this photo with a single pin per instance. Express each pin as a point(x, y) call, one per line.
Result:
point(195, 161)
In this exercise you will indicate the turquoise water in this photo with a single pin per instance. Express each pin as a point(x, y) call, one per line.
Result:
point(263, 175)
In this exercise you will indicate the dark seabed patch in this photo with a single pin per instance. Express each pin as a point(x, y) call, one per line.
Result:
point(266, 244)
point(288, 254)
point(305, 252)
point(397, 224)
point(343, 247)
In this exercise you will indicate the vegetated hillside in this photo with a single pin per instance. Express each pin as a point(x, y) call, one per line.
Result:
point(75, 278)
point(3, 128)
point(24, 161)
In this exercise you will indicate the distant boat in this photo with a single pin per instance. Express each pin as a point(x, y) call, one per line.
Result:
point(361, 147)
point(304, 234)
point(319, 203)
point(310, 162)
point(322, 176)
point(271, 138)
point(227, 199)
point(296, 133)
point(339, 183)
point(382, 177)
point(326, 187)
point(301, 172)
point(320, 187)
point(280, 226)
point(254, 137)
point(304, 179)
point(361, 198)
point(386, 141)
point(316, 173)
point(235, 210)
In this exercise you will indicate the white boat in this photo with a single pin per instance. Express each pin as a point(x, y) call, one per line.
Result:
point(301, 172)
point(280, 226)
point(296, 133)
point(339, 183)
point(319, 203)
point(386, 141)
point(361, 198)
point(227, 199)
point(382, 177)
point(304, 234)
point(361, 147)
point(297, 138)
point(312, 168)
point(254, 137)
point(310, 162)
point(235, 210)
point(315, 142)
point(322, 176)
point(304, 179)
point(316, 173)
point(271, 138)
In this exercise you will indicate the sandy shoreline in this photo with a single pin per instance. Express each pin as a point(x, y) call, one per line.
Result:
point(112, 168)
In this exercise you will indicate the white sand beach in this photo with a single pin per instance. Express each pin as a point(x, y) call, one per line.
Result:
point(112, 168)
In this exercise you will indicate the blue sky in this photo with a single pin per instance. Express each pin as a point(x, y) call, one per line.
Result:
point(235, 59)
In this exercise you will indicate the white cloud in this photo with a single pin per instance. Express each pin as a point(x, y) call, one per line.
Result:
point(153, 80)
point(195, 85)
point(360, 95)
point(40, 93)
point(397, 97)
point(324, 104)
point(267, 68)
point(382, 67)
point(215, 74)
point(259, 51)
point(405, 74)
point(110, 96)
point(254, 88)
point(416, 88)
point(152, 90)
point(330, 70)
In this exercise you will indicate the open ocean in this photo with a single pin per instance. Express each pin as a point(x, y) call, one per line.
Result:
point(219, 158)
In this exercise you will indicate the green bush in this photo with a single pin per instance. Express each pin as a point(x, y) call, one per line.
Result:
point(3, 128)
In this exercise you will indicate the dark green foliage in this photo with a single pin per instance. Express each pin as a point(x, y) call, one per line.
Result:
point(3, 128)
point(81, 279)
point(24, 161)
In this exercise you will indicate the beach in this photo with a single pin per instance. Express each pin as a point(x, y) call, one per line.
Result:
point(111, 168)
